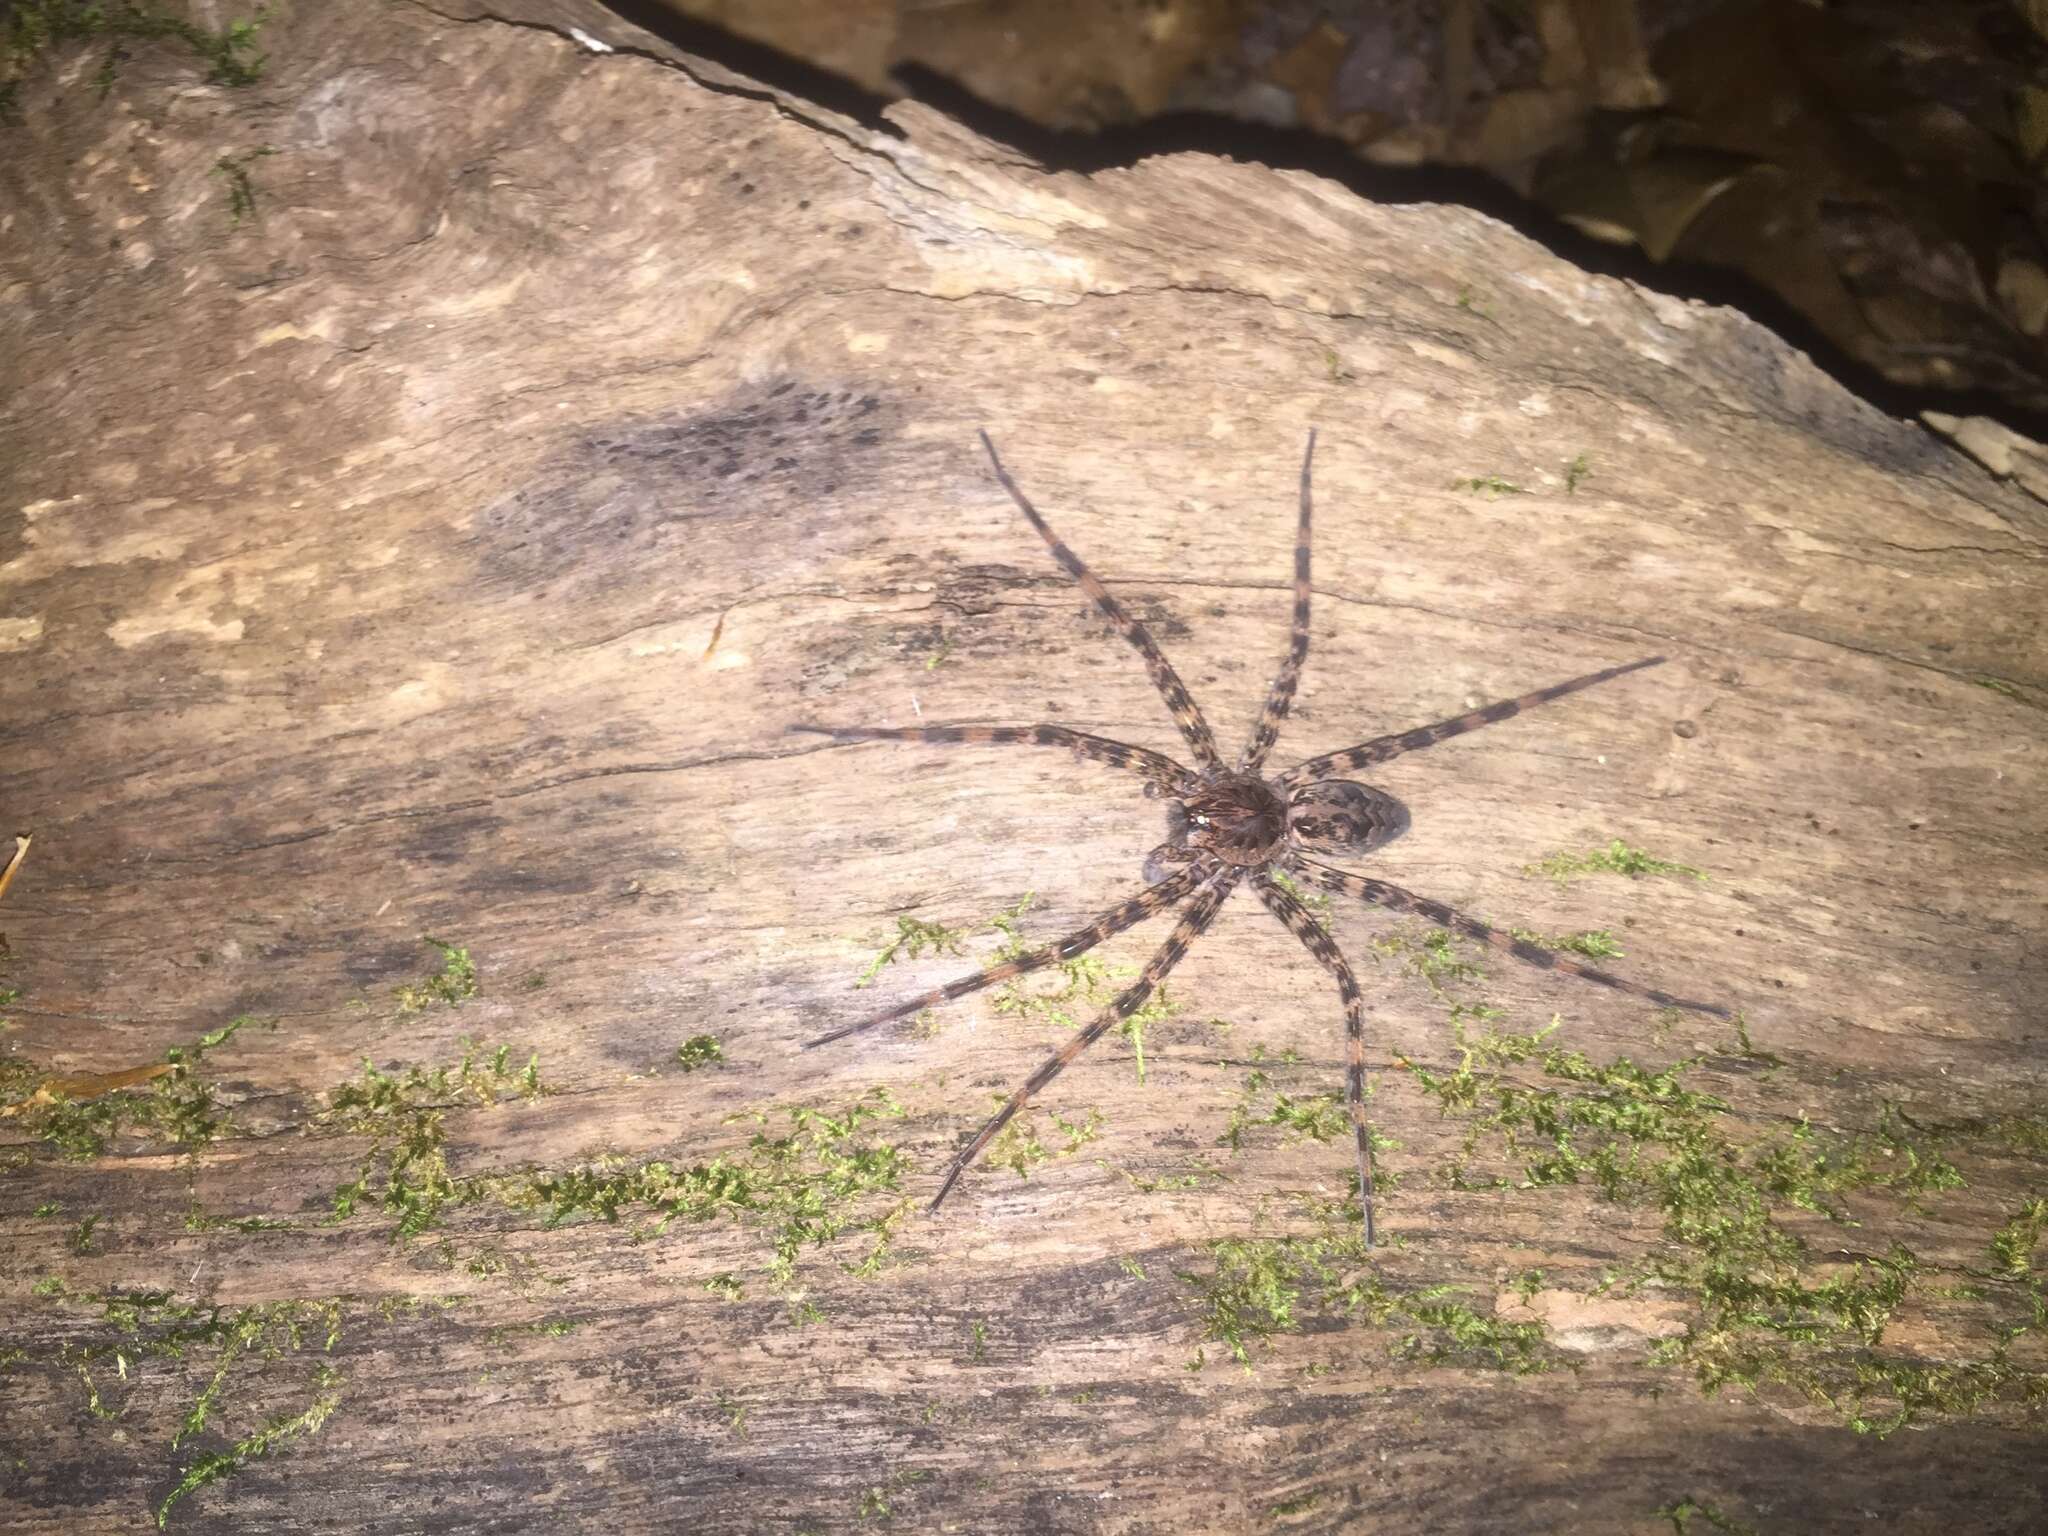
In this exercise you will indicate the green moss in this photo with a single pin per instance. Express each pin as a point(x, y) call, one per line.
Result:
point(1066, 993)
point(699, 1051)
point(1683, 1512)
point(1019, 1148)
point(32, 28)
point(1197, 1173)
point(234, 170)
point(1259, 1287)
point(1617, 858)
point(1070, 992)
point(735, 1413)
point(913, 937)
point(1768, 1312)
point(1493, 486)
point(1317, 902)
point(405, 1170)
point(1593, 943)
point(2012, 1246)
point(1317, 1118)
point(197, 1220)
point(1576, 473)
point(138, 1337)
point(826, 1178)
point(1434, 954)
point(454, 985)
point(216, 1465)
point(175, 1106)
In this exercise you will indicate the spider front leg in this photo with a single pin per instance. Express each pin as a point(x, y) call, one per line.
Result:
point(1324, 948)
point(1334, 764)
point(1393, 897)
point(1159, 771)
point(1282, 693)
point(1179, 702)
point(1129, 1001)
point(1156, 898)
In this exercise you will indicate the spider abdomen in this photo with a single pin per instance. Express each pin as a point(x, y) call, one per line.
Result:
point(1339, 816)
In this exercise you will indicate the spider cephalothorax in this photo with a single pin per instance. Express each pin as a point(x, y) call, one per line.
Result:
point(1228, 826)
point(1242, 819)
point(1235, 818)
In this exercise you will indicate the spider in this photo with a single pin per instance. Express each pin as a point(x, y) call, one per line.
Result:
point(1230, 825)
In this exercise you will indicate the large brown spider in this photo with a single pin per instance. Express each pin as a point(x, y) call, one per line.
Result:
point(1226, 825)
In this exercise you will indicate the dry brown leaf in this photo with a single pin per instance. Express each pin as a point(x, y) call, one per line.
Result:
point(21, 843)
point(83, 1086)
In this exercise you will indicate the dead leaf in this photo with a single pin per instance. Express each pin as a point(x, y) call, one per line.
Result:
point(21, 843)
point(84, 1086)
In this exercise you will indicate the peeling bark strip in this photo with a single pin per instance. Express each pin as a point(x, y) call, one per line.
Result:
point(441, 550)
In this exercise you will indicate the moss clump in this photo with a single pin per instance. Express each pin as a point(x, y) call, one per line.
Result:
point(1317, 1118)
point(2013, 1245)
point(1768, 1310)
point(1593, 943)
point(1435, 954)
point(913, 937)
point(1085, 978)
point(1020, 1149)
point(1617, 858)
point(454, 985)
point(166, 1101)
point(1066, 993)
point(1317, 902)
point(1493, 487)
point(827, 1176)
point(1682, 1512)
point(874, 1503)
point(819, 1181)
point(139, 1335)
point(405, 1170)
point(1259, 1287)
point(31, 28)
point(234, 171)
point(699, 1051)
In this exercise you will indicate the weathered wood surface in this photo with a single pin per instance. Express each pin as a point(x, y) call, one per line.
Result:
point(444, 551)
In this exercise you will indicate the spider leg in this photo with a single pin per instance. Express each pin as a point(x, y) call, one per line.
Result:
point(1156, 898)
point(1380, 894)
point(1324, 948)
point(1378, 750)
point(1186, 713)
point(1282, 694)
point(1155, 767)
point(1192, 922)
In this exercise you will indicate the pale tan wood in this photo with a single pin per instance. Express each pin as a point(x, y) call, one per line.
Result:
point(446, 550)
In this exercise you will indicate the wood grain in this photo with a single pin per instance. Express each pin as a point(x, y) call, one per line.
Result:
point(444, 550)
